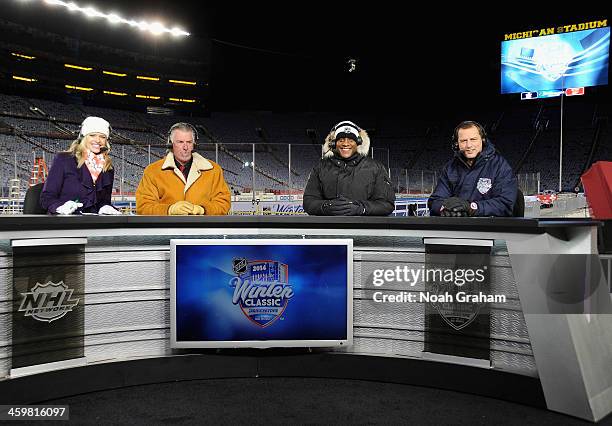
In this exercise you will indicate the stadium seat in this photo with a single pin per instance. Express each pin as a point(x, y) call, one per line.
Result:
point(31, 203)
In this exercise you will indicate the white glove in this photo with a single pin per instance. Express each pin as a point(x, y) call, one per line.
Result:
point(68, 207)
point(109, 210)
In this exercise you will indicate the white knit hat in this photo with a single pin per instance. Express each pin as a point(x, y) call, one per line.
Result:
point(347, 129)
point(94, 125)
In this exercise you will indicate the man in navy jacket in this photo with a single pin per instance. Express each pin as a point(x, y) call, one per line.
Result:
point(478, 181)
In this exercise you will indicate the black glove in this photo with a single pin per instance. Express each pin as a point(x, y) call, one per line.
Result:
point(456, 207)
point(357, 208)
point(448, 213)
point(342, 206)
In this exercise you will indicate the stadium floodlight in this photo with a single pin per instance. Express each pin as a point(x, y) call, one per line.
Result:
point(155, 28)
point(110, 92)
point(22, 56)
point(113, 18)
point(93, 13)
point(29, 80)
point(189, 83)
point(177, 32)
point(116, 74)
point(78, 67)
point(84, 89)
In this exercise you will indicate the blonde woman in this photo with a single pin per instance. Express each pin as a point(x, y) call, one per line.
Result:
point(81, 179)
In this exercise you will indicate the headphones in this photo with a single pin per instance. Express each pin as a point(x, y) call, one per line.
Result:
point(182, 125)
point(466, 125)
point(332, 144)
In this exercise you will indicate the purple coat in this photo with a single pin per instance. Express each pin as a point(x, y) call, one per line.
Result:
point(67, 182)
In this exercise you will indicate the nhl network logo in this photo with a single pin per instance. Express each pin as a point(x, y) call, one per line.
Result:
point(48, 302)
point(261, 289)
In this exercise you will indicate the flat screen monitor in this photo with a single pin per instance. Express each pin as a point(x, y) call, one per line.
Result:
point(555, 62)
point(261, 293)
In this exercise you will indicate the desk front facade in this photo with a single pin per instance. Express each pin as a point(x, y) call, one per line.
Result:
point(126, 291)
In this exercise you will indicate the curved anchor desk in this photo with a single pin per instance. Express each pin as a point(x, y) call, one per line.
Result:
point(561, 361)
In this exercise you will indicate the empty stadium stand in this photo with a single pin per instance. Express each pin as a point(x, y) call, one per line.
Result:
point(413, 151)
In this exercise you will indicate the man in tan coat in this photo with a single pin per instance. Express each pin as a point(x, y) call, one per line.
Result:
point(183, 182)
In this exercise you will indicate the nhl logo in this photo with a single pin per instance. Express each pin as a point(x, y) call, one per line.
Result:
point(484, 184)
point(239, 265)
point(48, 302)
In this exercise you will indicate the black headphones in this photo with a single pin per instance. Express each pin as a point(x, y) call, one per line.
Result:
point(466, 125)
point(181, 125)
point(332, 144)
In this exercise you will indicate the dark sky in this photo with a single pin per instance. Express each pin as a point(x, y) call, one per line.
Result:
point(293, 55)
point(408, 60)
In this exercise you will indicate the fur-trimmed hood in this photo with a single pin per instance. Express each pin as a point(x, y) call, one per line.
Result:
point(361, 149)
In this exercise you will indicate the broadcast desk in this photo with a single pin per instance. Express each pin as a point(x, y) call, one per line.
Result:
point(557, 360)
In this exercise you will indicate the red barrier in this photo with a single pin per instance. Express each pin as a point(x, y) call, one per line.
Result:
point(597, 182)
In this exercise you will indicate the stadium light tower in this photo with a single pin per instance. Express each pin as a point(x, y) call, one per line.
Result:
point(155, 28)
point(114, 19)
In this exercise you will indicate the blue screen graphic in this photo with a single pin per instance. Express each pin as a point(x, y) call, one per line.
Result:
point(555, 62)
point(261, 292)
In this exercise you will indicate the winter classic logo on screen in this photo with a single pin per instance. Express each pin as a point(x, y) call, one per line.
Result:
point(261, 289)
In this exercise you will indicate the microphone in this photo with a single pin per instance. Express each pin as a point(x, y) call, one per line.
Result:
point(103, 149)
point(331, 148)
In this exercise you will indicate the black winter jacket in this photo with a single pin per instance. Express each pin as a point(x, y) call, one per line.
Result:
point(358, 178)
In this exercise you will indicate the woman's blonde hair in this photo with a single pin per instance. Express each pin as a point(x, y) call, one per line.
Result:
point(77, 148)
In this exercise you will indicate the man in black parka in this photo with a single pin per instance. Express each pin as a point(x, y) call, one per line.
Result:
point(347, 182)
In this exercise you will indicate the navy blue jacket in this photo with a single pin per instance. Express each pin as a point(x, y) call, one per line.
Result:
point(490, 182)
point(68, 182)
